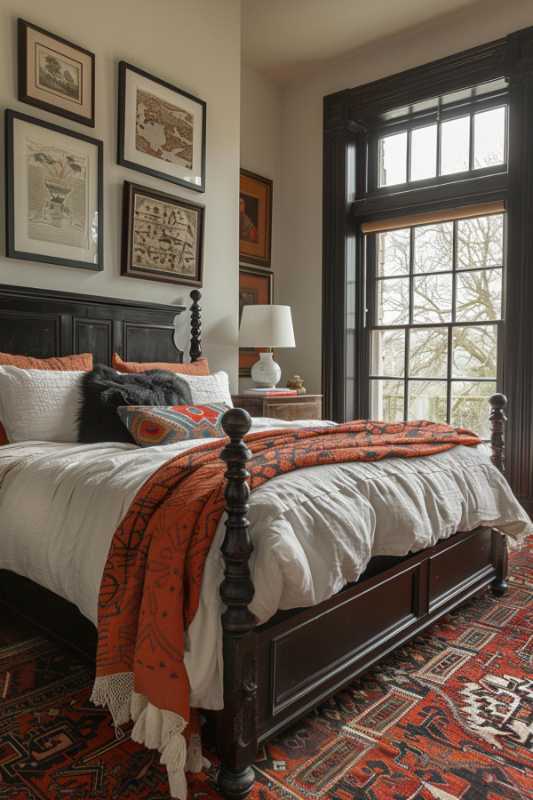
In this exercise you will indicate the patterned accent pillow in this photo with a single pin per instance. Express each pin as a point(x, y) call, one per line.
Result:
point(153, 425)
point(200, 367)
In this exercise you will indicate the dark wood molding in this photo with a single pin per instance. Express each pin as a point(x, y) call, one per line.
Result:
point(363, 104)
point(518, 331)
point(351, 118)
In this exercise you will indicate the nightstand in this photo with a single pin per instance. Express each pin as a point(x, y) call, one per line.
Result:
point(303, 406)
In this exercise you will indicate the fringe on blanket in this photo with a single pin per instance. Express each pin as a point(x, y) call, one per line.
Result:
point(155, 728)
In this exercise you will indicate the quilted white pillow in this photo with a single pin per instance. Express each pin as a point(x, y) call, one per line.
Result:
point(208, 389)
point(40, 405)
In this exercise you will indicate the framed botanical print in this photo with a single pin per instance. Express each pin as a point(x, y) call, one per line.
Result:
point(55, 74)
point(255, 218)
point(162, 236)
point(54, 196)
point(255, 288)
point(161, 129)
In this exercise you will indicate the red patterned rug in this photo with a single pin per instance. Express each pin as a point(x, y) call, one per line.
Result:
point(448, 716)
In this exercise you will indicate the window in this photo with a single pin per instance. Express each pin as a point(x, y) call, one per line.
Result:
point(436, 304)
point(457, 143)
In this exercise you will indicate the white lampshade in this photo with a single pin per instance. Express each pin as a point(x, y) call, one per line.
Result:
point(266, 326)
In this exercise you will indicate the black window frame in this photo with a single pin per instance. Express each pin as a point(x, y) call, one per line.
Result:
point(421, 120)
point(350, 118)
point(372, 323)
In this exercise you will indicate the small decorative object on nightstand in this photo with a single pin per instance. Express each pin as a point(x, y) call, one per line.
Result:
point(297, 383)
point(266, 326)
point(305, 406)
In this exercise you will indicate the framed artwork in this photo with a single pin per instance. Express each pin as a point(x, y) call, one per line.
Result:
point(55, 74)
point(161, 129)
point(255, 219)
point(54, 195)
point(162, 236)
point(255, 288)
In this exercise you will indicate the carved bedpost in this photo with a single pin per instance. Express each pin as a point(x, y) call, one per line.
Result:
point(236, 730)
point(196, 326)
point(498, 418)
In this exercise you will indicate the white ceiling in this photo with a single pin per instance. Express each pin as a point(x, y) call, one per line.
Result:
point(284, 37)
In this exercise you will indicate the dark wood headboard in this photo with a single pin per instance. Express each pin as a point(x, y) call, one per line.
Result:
point(43, 323)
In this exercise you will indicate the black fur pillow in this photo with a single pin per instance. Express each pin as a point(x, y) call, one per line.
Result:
point(104, 390)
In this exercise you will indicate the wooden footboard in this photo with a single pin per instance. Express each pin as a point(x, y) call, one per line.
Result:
point(275, 673)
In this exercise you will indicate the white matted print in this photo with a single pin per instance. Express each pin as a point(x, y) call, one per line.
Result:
point(161, 129)
point(55, 74)
point(54, 194)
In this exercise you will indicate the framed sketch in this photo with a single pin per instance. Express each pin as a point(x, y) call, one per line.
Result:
point(255, 218)
point(255, 288)
point(55, 74)
point(162, 236)
point(54, 197)
point(161, 129)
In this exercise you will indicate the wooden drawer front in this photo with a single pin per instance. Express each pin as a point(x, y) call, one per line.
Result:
point(310, 654)
point(459, 562)
point(294, 410)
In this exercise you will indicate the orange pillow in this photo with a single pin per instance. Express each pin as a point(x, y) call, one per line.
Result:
point(200, 367)
point(77, 363)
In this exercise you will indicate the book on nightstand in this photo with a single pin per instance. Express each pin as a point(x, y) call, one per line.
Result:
point(281, 392)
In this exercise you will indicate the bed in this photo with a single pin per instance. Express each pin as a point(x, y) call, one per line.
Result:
point(273, 672)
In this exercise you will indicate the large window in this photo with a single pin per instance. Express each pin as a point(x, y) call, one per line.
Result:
point(435, 294)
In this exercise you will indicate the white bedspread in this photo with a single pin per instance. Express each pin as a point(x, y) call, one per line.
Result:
point(313, 530)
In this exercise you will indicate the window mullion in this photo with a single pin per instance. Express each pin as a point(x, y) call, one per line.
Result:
point(471, 144)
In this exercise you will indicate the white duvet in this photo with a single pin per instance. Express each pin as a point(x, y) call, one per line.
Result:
point(314, 530)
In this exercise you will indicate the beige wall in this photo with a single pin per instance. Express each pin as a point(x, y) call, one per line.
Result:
point(261, 153)
point(300, 263)
point(194, 44)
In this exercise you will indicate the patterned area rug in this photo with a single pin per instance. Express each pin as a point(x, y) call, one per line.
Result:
point(448, 716)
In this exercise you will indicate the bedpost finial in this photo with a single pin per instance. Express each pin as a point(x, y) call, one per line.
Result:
point(497, 419)
point(498, 401)
point(195, 351)
point(236, 423)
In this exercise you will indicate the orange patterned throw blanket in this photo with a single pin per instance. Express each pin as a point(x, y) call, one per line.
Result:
point(151, 584)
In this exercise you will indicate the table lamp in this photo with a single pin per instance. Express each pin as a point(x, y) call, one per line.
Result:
point(266, 326)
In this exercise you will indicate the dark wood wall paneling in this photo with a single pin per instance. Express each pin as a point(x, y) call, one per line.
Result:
point(350, 117)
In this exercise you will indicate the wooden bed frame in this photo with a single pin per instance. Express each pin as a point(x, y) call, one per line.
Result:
point(273, 673)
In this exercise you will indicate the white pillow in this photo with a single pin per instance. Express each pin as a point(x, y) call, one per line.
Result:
point(206, 389)
point(40, 405)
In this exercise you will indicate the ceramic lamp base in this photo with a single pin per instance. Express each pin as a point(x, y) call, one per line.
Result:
point(265, 372)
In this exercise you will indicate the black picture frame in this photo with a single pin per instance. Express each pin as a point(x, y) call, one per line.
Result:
point(258, 188)
point(11, 250)
point(23, 89)
point(131, 271)
point(124, 67)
